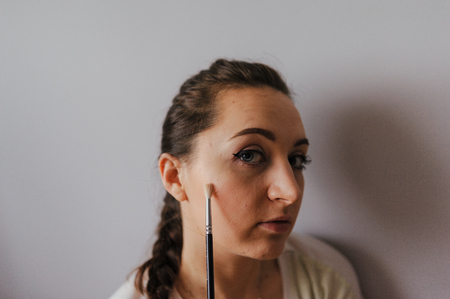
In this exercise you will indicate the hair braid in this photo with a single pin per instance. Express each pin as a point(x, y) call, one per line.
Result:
point(162, 269)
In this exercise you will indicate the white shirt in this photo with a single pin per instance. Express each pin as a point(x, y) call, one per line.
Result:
point(310, 269)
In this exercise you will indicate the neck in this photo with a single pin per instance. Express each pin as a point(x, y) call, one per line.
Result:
point(235, 276)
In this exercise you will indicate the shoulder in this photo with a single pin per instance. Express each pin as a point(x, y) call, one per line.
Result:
point(127, 291)
point(309, 259)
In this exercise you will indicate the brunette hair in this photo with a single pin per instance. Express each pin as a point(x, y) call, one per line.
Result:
point(193, 110)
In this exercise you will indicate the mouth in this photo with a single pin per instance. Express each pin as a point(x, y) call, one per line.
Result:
point(278, 225)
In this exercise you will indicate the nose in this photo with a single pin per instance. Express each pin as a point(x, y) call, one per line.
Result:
point(286, 184)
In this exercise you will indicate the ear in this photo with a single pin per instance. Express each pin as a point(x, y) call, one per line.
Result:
point(170, 171)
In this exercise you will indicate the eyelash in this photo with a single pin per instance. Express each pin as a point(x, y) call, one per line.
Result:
point(305, 159)
point(240, 156)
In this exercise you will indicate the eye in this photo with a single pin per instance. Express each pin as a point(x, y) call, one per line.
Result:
point(299, 161)
point(250, 156)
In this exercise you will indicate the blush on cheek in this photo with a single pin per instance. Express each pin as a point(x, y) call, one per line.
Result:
point(225, 202)
point(235, 197)
point(228, 203)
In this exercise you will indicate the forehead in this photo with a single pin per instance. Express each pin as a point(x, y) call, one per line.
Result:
point(262, 107)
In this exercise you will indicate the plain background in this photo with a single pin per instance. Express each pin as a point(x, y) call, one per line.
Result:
point(84, 87)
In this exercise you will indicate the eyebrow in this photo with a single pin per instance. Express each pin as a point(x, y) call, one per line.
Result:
point(268, 134)
point(301, 142)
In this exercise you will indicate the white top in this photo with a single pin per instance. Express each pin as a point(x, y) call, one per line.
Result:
point(310, 269)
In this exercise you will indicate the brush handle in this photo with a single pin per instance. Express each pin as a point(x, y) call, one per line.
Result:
point(209, 266)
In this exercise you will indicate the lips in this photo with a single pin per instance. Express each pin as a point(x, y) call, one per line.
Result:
point(280, 225)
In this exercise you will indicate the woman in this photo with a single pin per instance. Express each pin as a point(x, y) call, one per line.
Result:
point(234, 126)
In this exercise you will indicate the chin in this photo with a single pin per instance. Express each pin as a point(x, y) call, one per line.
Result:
point(268, 249)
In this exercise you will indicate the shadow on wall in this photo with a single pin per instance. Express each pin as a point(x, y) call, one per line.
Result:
point(379, 147)
point(390, 162)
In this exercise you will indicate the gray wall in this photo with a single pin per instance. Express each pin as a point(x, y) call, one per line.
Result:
point(84, 86)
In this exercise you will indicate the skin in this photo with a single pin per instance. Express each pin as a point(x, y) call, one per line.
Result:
point(257, 177)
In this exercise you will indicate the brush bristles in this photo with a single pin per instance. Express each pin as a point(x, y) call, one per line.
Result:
point(208, 188)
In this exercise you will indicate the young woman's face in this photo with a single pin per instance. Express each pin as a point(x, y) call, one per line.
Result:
point(254, 156)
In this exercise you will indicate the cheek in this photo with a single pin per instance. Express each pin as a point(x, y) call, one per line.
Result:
point(301, 183)
point(300, 180)
point(236, 203)
point(229, 196)
point(232, 205)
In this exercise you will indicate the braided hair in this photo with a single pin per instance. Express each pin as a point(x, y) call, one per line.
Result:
point(193, 110)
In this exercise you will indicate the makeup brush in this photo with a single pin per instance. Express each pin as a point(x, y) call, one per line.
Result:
point(208, 188)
